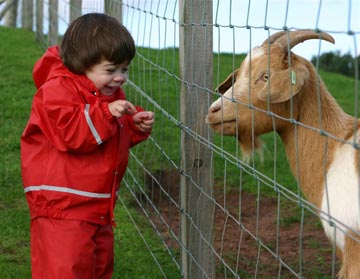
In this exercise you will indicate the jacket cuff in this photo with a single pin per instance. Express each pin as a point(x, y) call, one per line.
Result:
point(105, 108)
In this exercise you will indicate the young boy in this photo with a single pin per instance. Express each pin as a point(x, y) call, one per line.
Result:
point(75, 147)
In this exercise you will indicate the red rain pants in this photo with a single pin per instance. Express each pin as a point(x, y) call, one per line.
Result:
point(70, 249)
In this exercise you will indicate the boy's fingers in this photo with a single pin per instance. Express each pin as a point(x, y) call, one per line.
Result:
point(147, 115)
point(148, 122)
point(129, 108)
point(151, 115)
point(142, 115)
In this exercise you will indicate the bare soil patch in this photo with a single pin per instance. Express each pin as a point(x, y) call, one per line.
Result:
point(256, 237)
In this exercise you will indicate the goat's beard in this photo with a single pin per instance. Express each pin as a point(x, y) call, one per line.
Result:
point(250, 145)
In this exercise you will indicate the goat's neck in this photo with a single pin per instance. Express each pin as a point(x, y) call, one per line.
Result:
point(310, 153)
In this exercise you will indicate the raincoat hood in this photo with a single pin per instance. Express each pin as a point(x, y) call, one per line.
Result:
point(50, 66)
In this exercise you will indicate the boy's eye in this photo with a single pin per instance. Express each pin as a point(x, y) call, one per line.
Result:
point(112, 70)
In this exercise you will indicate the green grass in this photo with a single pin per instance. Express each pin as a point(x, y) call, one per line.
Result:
point(19, 51)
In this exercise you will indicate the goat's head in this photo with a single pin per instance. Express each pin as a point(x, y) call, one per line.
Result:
point(269, 79)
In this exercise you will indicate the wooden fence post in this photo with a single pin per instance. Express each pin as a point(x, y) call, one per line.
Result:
point(39, 19)
point(53, 22)
point(196, 70)
point(114, 8)
point(27, 14)
point(75, 9)
point(11, 13)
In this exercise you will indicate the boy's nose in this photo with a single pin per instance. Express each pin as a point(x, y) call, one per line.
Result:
point(120, 77)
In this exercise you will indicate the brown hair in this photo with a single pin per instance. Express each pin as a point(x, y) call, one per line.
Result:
point(93, 37)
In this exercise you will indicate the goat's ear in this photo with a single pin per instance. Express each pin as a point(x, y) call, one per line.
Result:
point(284, 84)
point(227, 83)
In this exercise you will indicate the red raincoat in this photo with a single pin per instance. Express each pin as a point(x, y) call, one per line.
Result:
point(73, 151)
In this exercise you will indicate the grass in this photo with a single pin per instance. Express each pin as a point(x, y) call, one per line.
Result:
point(19, 51)
point(17, 55)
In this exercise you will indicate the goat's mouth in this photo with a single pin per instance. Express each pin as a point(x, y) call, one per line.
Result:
point(224, 127)
point(221, 123)
point(211, 120)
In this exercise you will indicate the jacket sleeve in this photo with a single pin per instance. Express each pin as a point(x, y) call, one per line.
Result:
point(136, 136)
point(68, 120)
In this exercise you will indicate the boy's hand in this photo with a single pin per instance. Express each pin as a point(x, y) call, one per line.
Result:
point(121, 107)
point(144, 120)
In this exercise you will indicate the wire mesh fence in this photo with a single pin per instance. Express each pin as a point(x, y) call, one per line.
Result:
point(218, 215)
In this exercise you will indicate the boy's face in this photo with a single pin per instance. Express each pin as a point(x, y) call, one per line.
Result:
point(108, 77)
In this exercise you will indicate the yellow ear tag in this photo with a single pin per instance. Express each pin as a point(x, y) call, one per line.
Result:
point(293, 78)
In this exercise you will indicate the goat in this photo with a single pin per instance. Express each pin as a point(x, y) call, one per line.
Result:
point(273, 90)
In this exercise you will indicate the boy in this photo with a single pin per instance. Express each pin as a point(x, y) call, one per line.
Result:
point(75, 147)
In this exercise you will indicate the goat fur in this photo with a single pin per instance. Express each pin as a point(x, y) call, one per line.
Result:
point(272, 78)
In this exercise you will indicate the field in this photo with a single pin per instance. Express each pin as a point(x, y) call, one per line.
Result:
point(135, 252)
point(18, 52)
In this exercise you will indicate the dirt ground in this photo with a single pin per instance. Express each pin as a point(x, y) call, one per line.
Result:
point(254, 244)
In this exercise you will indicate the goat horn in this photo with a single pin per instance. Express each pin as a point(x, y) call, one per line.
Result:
point(300, 36)
point(270, 40)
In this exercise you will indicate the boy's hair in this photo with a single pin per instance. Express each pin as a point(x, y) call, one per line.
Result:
point(93, 37)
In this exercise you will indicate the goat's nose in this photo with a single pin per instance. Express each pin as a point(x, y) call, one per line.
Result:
point(214, 108)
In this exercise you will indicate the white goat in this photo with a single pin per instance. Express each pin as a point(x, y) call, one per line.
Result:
point(272, 78)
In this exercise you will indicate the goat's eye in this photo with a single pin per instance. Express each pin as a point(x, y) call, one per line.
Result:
point(265, 77)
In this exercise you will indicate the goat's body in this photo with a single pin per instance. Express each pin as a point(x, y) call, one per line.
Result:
point(326, 168)
point(330, 179)
point(340, 198)
point(340, 207)
point(331, 183)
